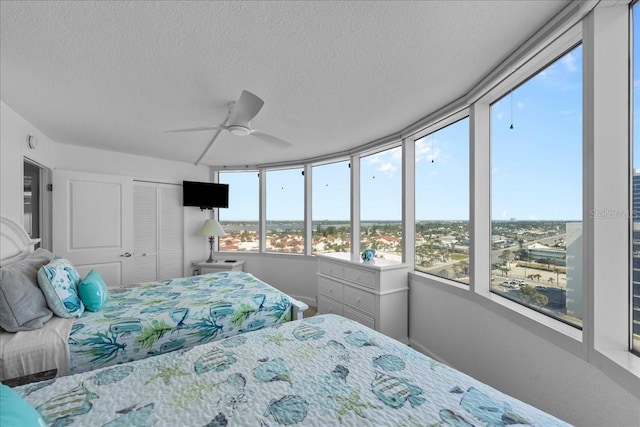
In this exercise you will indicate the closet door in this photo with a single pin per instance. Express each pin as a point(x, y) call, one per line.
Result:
point(145, 231)
point(171, 232)
point(158, 231)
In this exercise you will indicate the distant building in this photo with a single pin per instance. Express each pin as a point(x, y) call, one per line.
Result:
point(574, 269)
point(538, 252)
point(636, 253)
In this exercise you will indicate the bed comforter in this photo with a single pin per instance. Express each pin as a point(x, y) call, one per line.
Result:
point(159, 317)
point(324, 370)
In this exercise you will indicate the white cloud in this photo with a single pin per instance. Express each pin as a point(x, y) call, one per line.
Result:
point(520, 105)
point(533, 217)
point(494, 171)
point(499, 116)
point(569, 62)
point(387, 168)
point(504, 213)
point(427, 150)
point(387, 161)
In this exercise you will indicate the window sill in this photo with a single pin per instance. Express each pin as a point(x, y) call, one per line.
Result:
point(621, 366)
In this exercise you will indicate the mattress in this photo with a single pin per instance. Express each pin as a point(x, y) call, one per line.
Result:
point(324, 370)
point(158, 317)
point(27, 352)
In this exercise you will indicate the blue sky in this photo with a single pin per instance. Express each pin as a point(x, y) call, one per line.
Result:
point(536, 166)
point(636, 89)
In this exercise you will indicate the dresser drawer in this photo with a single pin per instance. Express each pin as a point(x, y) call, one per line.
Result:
point(328, 306)
point(362, 300)
point(360, 318)
point(330, 288)
point(361, 277)
point(331, 269)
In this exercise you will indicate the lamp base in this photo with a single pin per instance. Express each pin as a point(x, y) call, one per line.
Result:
point(211, 257)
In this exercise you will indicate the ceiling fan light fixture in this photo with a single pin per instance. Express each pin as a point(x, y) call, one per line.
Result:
point(239, 130)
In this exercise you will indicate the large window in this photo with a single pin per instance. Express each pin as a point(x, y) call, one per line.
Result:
point(240, 221)
point(285, 211)
point(381, 203)
point(331, 208)
point(635, 188)
point(442, 202)
point(536, 184)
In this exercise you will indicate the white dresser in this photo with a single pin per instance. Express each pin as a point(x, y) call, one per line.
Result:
point(375, 295)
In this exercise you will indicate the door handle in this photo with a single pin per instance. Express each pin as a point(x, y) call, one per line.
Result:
point(126, 254)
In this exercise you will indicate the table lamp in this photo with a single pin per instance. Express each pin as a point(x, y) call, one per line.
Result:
point(211, 228)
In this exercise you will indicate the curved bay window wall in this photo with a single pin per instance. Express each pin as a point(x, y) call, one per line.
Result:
point(331, 208)
point(381, 203)
point(241, 219)
point(442, 202)
point(285, 211)
point(530, 146)
point(536, 191)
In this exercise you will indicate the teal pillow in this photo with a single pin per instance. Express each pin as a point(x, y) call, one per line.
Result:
point(58, 281)
point(93, 291)
point(15, 411)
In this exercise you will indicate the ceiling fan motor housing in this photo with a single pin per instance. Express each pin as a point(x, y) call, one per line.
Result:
point(240, 129)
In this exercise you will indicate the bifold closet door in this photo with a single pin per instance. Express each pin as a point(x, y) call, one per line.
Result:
point(171, 235)
point(145, 231)
point(158, 231)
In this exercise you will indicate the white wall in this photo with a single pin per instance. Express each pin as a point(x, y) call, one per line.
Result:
point(13, 148)
point(294, 275)
point(474, 339)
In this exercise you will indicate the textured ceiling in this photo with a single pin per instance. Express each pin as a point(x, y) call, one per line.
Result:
point(333, 75)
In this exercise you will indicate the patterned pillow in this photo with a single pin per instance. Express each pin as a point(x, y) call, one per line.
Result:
point(59, 283)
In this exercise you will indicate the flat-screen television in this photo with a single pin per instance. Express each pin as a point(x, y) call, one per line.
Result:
point(205, 195)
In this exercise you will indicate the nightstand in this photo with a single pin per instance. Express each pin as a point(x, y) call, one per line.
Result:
point(221, 265)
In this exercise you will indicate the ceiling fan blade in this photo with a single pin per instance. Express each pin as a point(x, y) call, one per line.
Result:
point(212, 127)
point(210, 144)
point(281, 143)
point(245, 108)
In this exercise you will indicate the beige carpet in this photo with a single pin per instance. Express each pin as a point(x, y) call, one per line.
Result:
point(311, 311)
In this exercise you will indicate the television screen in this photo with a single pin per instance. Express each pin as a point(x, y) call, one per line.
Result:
point(205, 195)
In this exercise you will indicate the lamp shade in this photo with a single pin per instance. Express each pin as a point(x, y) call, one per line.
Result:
point(211, 227)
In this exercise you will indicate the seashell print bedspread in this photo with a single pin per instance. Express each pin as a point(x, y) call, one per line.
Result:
point(159, 317)
point(324, 370)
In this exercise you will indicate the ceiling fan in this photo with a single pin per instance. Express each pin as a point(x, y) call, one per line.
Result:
point(240, 113)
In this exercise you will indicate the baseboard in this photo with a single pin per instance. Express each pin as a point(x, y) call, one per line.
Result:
point(416, 346)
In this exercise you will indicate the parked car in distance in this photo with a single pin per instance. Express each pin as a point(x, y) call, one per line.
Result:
point(509, 284)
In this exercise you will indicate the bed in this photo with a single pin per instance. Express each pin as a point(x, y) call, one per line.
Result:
point(323, 370)
point(139, 321)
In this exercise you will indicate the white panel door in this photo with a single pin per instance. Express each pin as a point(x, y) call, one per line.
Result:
point(93, 223)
